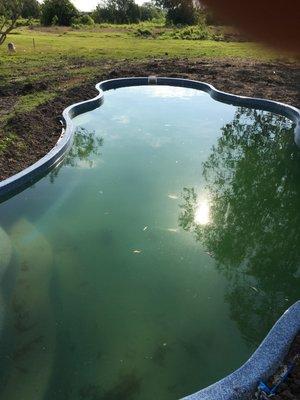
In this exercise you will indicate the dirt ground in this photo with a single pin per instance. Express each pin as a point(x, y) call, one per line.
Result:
point(39, 129)
point(290, 389)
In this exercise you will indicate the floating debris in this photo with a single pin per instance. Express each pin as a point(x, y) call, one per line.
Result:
point(173, 196)
point(137, 251)
point(145, 228)
point(173, 230)
point(160, 353)
point(255, 289)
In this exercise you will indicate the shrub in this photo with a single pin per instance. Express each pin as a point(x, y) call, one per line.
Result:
point(143, 32)
point(199, 32)
point(64, 10)
point(83, 19)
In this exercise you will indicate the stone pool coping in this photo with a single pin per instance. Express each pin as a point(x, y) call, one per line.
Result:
point(241, 384)
point(34, 172)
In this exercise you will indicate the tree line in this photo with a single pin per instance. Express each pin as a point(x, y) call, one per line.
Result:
point(64, 13)
point(184, 12)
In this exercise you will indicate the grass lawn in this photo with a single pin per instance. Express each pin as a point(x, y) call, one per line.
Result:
point(78, 53)
point(59, 46)
point(51, 66)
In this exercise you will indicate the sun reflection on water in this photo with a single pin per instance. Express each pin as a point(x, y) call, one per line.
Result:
point(202, 213)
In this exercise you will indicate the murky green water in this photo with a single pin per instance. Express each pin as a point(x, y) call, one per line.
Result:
point(155, 259)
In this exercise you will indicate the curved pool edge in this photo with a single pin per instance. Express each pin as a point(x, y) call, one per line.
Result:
point(28, 176)
point(241, 384)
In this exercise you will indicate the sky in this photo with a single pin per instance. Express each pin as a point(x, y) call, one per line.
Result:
point(88, 5)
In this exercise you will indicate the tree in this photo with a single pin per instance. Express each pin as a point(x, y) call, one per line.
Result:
point(252, 177)
point(31, 9)
point(149, 11)
point(10, 11)
point(117, 11)
point(180, 11)
point(62, 11)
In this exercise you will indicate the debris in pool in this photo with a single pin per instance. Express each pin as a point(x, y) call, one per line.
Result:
point(160, 353)
point(173, 196)
point(145, 228)
point(137, 251)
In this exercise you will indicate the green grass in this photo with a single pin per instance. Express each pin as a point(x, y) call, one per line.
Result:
point(115, 44)
point(28, 102)
point(63, 57)
point(7, 141)
point(54, 51)
point(55, 48)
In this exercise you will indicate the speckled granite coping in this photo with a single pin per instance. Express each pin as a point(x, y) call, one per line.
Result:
point(241, 384)
point(28, 176)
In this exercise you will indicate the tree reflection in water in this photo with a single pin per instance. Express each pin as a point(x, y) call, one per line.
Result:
point(253, 181)
point(85, 147)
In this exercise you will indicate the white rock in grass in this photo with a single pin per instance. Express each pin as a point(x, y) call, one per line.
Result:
point(5, 252)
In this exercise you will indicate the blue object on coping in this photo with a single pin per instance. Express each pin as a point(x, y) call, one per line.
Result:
point(272, 391)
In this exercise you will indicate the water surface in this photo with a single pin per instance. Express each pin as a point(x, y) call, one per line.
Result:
point(155, 259)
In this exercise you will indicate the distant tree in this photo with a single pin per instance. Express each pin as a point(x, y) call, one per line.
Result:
point(183, 12)
point(83, 19)
point(104, 12)
point(117, 11)
point(10, 11)
point(64, 10)
point(149, 11)
point(31, 9)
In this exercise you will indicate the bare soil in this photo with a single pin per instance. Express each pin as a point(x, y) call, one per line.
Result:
point(290, 389)
point(38, 131)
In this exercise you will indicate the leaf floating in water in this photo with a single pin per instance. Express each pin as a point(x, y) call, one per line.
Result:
point(254, 288)
point(137, 251)
point(173, 196)
point(145, 228)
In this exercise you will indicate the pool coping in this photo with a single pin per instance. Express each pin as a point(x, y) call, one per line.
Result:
point(241, 384)
point(34, 172)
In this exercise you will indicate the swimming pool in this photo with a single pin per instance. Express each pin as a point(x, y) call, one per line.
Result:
point(155, 258)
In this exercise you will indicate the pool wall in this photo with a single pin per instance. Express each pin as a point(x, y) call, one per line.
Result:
point(28, 176)
point(241, 384)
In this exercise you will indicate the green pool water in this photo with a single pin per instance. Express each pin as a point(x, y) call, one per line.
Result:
point(154, 260)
